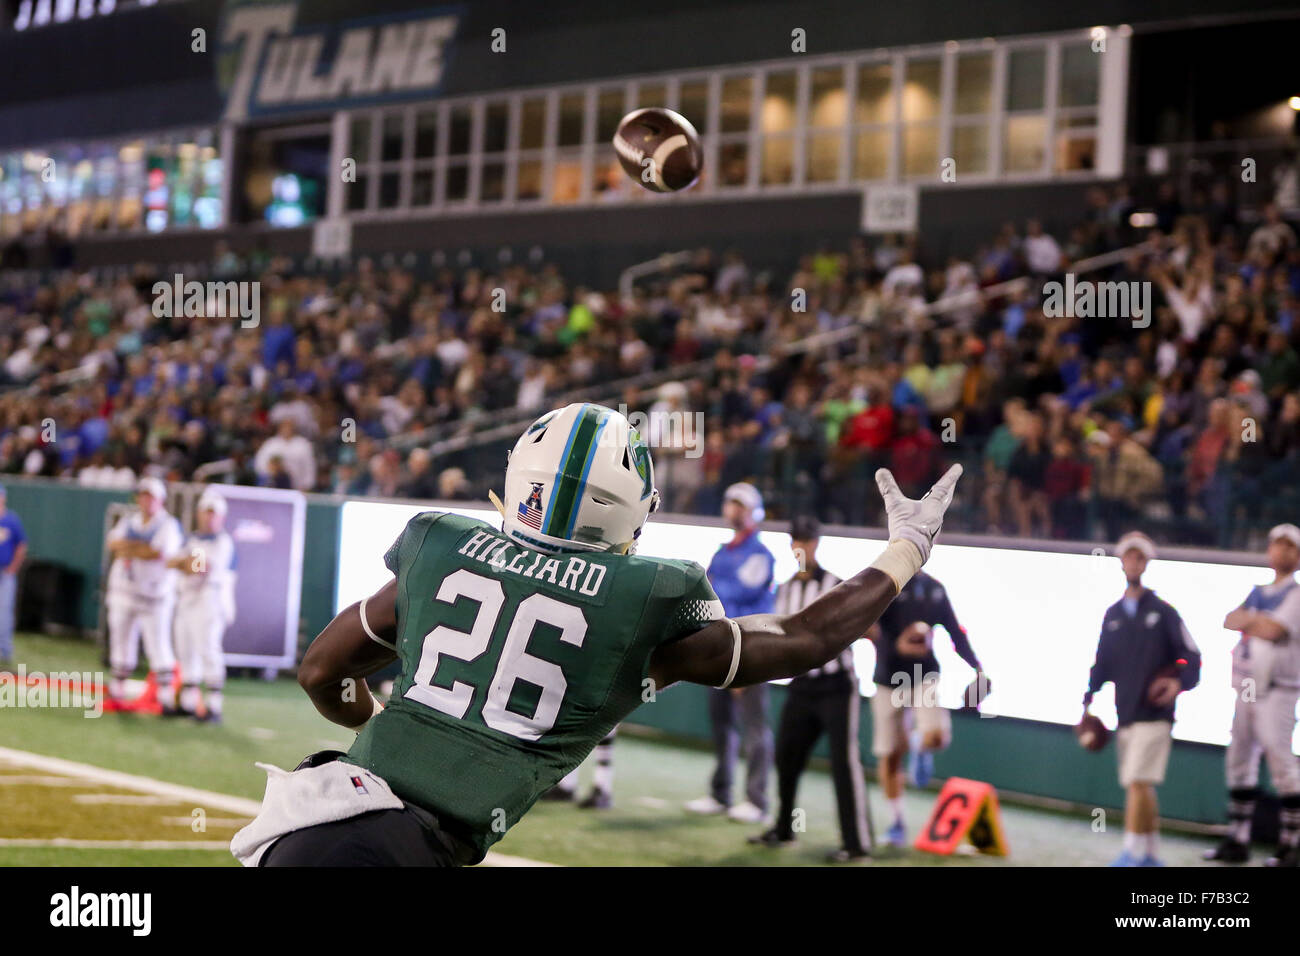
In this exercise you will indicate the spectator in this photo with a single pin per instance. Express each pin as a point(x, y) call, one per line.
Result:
point(295, 455)
point(13, 549)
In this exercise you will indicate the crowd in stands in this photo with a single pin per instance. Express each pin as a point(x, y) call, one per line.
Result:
point(1185, 420)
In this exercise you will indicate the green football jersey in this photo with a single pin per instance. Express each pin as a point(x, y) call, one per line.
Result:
point(515, 663)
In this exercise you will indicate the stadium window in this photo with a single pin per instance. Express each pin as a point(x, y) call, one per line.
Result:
point(871, 153)
point(1024, 143)
point(970, 147)
point(426, 133)
point(737, 103)
point(1026, 79)
point(532, 139)
point(496, 127)
point(105, 189)
point(422, 187)
point(693, 103)
point(392, 140)
point(458, 137)
point(566, 171)
point(359, 139)
point(607, 178)
point(827, 115)
point(972, 108)
point(566, 179)
point(390, 190)
point(528, 183)
point(777, 120)
point(1076, 141)
point(733, 163)
point(130, 204)
point(734, 114)
point(457, 182)
point(609, 110)
point(873, 114)
point(1080, 76)
point(874, 103)
point(778, 160)
point(921, 90)
point(569, 132)
point(920, 111)
point(532, 124)
point(920, 149)
point(492, 187)
point(974, 92)
point(655, 94)
point(355, 196)
point(1024, 130)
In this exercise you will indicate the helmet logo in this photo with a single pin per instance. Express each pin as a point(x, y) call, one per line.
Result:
point(530, 512)
point(641, 461)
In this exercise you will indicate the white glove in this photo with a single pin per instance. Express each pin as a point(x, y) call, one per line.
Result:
point(917, 521)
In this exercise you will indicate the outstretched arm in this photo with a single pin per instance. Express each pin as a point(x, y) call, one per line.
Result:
point(763, 647)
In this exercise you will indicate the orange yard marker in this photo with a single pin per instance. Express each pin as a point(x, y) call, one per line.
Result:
point(965, 809)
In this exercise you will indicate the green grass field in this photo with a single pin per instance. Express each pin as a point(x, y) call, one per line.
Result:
point(273, 722)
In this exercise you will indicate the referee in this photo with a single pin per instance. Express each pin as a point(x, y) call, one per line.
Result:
point(822, 701)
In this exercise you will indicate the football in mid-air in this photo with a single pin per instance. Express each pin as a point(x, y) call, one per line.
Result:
point(659, 149)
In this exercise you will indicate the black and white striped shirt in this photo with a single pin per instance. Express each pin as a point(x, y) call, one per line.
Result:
point(795, 595)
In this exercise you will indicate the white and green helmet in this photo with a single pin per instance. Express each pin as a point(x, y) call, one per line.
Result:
point(579, 479)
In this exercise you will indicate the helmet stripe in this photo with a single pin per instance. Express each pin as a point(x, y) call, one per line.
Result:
point(571, 479)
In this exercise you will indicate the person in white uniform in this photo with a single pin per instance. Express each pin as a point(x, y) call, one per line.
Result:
point(1266, 680)
point(141, 590)
point(205, 607)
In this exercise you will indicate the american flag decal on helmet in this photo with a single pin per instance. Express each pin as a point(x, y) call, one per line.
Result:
point(530, 512)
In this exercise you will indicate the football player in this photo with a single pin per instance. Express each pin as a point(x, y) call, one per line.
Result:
point(520, 648)
point(142, 591)
point(1266, 680)
point(205, 607)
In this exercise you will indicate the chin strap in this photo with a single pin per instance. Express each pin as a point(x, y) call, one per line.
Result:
point(496, 502)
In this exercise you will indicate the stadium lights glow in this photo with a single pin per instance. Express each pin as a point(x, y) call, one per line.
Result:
point(1294, 103)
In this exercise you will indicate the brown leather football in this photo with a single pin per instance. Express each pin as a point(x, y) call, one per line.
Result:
point(1169, 670)
point(659, 149)
point(1092, 733)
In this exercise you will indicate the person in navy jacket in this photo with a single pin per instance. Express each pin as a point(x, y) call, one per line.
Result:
point(741, 575)
point(1145, 650)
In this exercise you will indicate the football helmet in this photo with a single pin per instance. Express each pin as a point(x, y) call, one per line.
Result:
point(580, 478)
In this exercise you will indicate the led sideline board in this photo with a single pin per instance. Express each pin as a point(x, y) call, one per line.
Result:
point(1033, 616)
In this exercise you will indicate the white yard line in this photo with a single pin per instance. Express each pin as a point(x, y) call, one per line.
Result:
point(130, 781)
point(64, 843)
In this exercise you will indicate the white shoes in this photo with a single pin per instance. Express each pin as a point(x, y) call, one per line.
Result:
point(706, 806)
point(746, 813)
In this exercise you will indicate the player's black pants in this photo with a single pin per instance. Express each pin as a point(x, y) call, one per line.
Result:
point(407, 837)
point(826, 704)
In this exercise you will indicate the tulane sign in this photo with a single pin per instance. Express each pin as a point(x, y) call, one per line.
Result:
point(268, 66)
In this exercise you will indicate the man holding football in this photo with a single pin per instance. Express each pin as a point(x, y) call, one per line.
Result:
point(141, 591)
point(520, 649)
point(907, 679)
point(1146, 651)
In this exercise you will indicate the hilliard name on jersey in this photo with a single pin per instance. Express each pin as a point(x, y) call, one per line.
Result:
point(568, 572)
